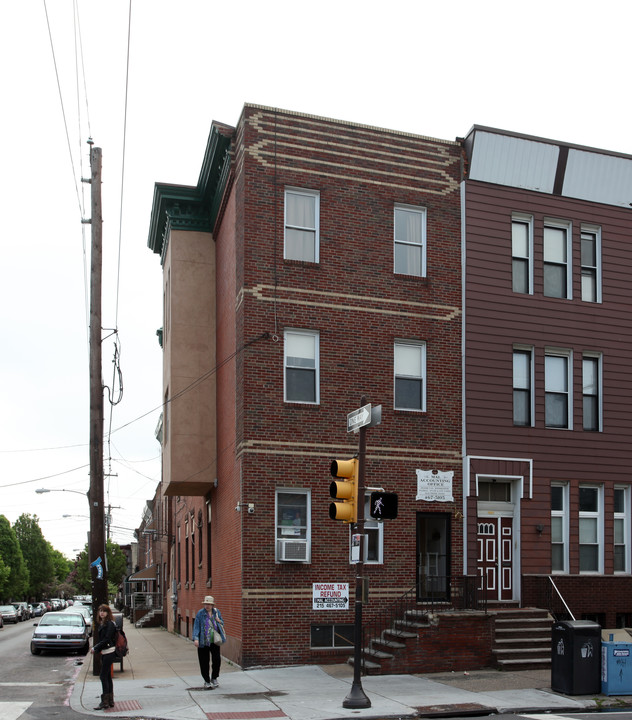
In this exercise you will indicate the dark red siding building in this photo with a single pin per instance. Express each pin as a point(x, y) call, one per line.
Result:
point(548, 328)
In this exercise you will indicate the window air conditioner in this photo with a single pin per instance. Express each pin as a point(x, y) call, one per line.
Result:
point(293, 550)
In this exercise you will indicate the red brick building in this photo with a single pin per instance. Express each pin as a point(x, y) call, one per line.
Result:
point(548, 322)
point(315, 262)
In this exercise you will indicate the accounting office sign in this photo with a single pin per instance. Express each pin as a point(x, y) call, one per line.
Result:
point(435, 486)
point(330, 596)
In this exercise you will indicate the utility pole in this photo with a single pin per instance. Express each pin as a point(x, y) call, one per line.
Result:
point(97, 536)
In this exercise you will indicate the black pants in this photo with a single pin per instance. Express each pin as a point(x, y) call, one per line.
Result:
point(205, 655)
point(107, 661)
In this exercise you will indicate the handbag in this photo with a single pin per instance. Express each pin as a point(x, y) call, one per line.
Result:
point(217, 635)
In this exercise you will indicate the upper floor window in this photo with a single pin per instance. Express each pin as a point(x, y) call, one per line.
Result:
point(556, 259)
point(591, 392)
point(521, 253)
point(301, 379)
point(559, 528)
point(522, 384)
point(410, 240)
point(410, 376)
point(590, 258)
point(590, 529)
point(621, 529)
point(557, 382)
point(301, 225)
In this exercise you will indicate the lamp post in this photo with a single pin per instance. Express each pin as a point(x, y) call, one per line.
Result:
point(39, 491)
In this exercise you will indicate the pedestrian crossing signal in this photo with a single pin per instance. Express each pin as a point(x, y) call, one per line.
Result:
point(383, 506)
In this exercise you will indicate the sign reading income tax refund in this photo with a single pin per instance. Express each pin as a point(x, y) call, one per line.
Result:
point(330, 596)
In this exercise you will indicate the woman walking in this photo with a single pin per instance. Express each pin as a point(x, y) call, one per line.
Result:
point(106, 646)
point(208, 634)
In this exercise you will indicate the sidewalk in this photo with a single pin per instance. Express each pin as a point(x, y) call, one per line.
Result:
point(161, 679)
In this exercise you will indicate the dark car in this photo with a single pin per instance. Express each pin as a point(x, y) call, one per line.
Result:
point(1, 623)
point(61, 631)
point(39, 609)
point(8, 613)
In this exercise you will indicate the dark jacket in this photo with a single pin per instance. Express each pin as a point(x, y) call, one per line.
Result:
point(106, 636)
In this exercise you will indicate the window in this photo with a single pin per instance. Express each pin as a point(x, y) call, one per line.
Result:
point(621, 529)
point(590, 257)
point(521, 253)
point(293, 534)
point(590, 556)
point(591, 392)
point(332, 636)
point(559, 528)
point(556, 253)
point(301, 225)
point(373, 536)
point(522, 384)
point(556, 388)
point(410, 240)
point(410, 373)
point(301, 366)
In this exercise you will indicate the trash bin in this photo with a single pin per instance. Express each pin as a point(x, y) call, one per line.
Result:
point(616, 667)
point(576, 657)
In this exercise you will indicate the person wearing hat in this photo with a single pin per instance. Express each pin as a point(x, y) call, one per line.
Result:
point(208, 635)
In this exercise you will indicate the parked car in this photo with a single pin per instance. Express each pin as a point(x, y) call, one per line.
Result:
point(39, 609)
point(8, 613)
point(1, 623)
point(61, 631)
point(22, 611)
point(81, 610)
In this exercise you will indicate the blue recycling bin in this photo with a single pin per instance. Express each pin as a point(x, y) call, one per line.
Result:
point(616, 668)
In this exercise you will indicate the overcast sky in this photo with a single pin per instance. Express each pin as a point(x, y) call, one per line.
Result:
point(555, 69)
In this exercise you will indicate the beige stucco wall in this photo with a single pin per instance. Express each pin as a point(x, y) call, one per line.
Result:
point(189, 363)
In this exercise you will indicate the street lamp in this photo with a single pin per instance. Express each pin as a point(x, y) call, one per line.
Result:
point(39, 491)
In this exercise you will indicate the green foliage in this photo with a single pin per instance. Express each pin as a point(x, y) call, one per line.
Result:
point(14, 587)
point(81, 576)
point(61, 565)
point(37, 553)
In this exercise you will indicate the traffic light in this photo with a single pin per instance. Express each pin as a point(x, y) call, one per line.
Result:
point(383, 506)
point(344, 491)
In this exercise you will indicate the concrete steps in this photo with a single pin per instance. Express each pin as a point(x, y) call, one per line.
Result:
point(522, 639)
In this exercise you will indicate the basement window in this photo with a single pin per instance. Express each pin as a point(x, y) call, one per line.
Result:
point(332, 636)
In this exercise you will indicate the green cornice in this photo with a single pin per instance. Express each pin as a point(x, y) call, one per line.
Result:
point(185, 207)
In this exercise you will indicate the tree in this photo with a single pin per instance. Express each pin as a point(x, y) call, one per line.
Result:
point(16, 584)
point(81, 576)
point(37, 554)
point(62, 566)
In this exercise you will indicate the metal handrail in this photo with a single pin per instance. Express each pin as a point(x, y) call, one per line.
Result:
point(568, 610)
point(431, 593)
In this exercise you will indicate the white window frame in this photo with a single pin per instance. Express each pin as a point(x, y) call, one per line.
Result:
point(371, 525)
point(524, 350)
point(523, 219)
point(423, 377)
point(595, 518)
point(568, 356)
point(287, 245)
point(281, 530)
point(314, 334)
point(594, 230)
point(599, 393)
point(567, 227)
point(561, 518)
point(401, 243)
point(622, 520)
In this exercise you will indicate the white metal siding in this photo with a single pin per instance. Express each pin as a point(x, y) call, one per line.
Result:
point(515, 162)
point(598, 178)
